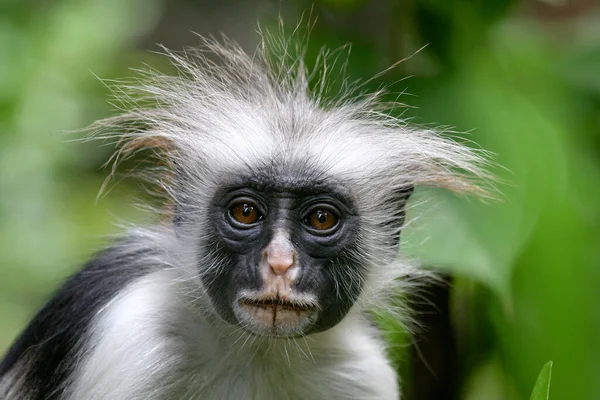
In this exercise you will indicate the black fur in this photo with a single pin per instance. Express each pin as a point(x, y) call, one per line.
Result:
point(52, 337)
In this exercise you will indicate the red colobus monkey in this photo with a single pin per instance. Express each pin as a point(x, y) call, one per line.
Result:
point(279, 234)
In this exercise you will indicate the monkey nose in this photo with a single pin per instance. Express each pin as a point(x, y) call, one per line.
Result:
point(280, 258)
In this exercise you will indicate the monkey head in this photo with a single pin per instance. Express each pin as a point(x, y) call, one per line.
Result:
point(288, 205)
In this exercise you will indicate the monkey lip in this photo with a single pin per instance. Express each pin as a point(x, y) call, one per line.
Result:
point(275, 315)
point(277, 305)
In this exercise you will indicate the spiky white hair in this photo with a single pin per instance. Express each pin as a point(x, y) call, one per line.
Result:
point(228, 113)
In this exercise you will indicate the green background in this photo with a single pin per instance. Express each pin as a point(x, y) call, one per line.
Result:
point(519, 78)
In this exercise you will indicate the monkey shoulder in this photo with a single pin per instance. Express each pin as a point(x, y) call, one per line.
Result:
point(40, 361)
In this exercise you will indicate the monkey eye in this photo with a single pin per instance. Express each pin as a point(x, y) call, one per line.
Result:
point(245, 213)
point(321, 219)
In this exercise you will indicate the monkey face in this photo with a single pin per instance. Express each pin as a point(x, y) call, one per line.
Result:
point(281, 258)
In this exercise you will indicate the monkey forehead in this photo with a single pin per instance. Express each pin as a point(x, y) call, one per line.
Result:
point(321, 155)
point(313, 145)
point(351, 178)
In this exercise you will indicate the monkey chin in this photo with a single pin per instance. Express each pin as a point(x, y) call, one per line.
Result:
point(275, 317)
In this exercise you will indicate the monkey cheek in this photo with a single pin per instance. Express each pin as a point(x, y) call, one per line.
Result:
point(274, 319)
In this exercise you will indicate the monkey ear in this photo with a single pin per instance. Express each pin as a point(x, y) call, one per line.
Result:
point(400, 198)
point(139, 136)
point(403, 194)
point(144, 144)
point(158, 145)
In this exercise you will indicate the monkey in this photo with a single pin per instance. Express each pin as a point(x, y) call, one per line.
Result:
point(277, 240)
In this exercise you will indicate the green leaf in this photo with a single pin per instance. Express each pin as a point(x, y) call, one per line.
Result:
point(541, 390)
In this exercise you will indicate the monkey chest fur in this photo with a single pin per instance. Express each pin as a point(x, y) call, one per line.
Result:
point(188, 359)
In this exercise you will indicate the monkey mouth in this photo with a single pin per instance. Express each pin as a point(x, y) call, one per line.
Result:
point(277, 304)
point(276, 316)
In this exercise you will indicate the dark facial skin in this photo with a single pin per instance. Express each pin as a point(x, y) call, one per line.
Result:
point(322, 255)
point(328, 267)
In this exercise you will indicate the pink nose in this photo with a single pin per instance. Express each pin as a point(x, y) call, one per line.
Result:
point(280, 257)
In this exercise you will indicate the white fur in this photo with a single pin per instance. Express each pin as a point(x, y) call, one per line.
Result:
point(12, 385)
point(149, 343)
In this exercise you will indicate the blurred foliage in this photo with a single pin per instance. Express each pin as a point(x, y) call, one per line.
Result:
point(48, 216)
point(521, 78)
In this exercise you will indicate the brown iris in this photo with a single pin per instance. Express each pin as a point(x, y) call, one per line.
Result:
point(245, 213)
point(322, 220)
